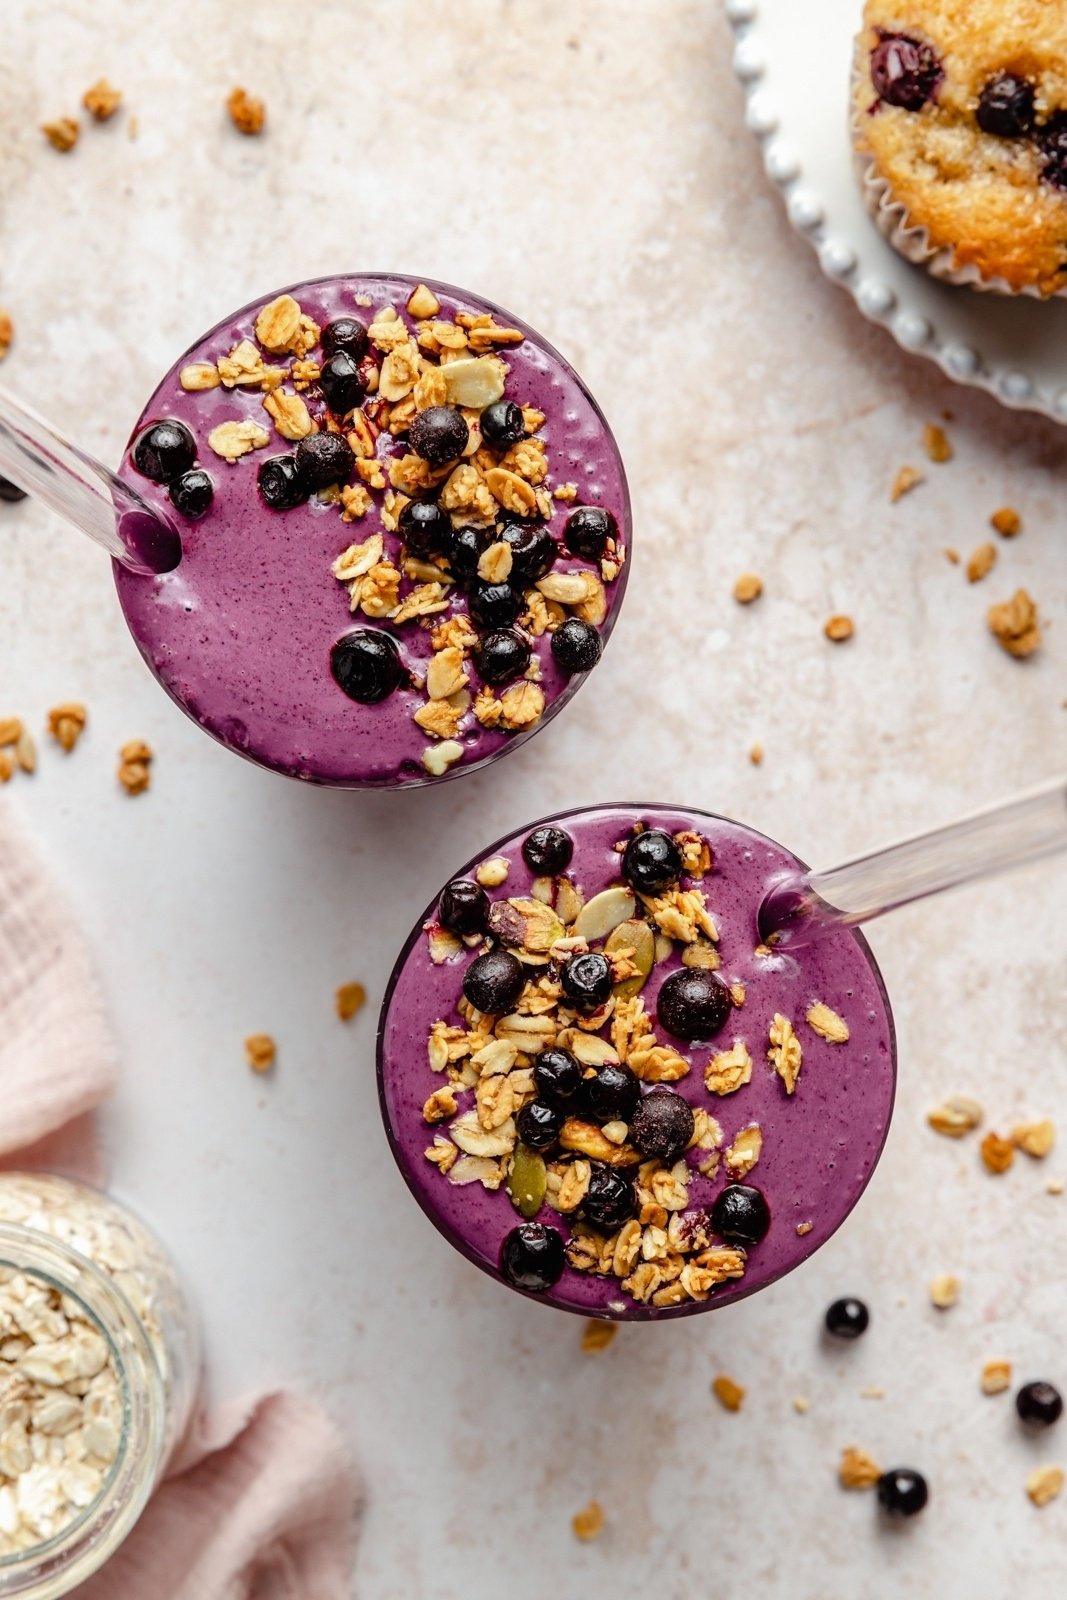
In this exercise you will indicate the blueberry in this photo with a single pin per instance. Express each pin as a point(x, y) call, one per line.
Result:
point(609, 1200)
point(10, 491)
point(342, 383)
point(439, 435)
point(651, 861)
point(464, 907)
point(533, 550)
point(465, 549)
point(532, 1258)
point(493, 982)
point(164, 450)
point(1052, 142)
point(548, 851)
point(347, 334)
point(366, 664)
point(539, 1125)
point(557, 1075)
point(281, 483)
point(192, 493)
point(494, 605)
point(847, 1318)
point(589, 530)
point(1039, 1404)
point(662, 1125)
point(587, 981)
point(906, 72)
point(576, 646)
point(902, 1492)
point(693, 1004)
point(324, 458)
point(1006, 107)
point(502, 655)
point(425, 529)
point(612, 1094)
point(502, 424)
point(740, 1214)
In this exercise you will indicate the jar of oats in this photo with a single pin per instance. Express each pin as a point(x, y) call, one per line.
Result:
point(99, 1362)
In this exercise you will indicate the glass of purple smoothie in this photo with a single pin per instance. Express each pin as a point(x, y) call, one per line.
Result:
point(404, 524)
point(606, 1092)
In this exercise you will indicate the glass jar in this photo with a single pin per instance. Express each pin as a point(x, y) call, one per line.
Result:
point(99, 1365)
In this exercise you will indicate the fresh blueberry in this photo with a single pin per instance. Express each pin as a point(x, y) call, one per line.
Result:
point(1052, 142)
point(439, 435)
point(464, 907)
point(342, 383)
point(587, 981)
point(589, 530)
point(466, 546)
point(347, 334)
point(533, 550)
point(576, 646)
point(502, 424)
point(906, 72)
point(425, 529)
point(1006, 107)
point(740, 1214)
point(651, 861)
point(501, 655)
point(557, 1075)
point(366, 664)
point(192, 493)
point(324, 458)
point(902, 1492)
point(548, 851)
point(693, 1004)
point(164, 450)
point(609, 1200)
point(1039, 1404)
point(662, 1125)
point(281, 483)
point(612, 1094)
point(532, 1257)
point(847, 1318)
point(539, 1125)
point(10, 491)
point(493, 982)
point(494, 605)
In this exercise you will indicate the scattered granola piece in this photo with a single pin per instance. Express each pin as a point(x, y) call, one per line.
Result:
point(748, 587)
point(944, 1291)
point(26, 751)
point(62, 134)
point(135, 760)
point(589, 1522)
point(198, 376)
point(996, 1377)
point(804, 1228)
point(350, 998)
point(596, 1336)
point(997, 1153)
point(492, 873)
point(247, 113)
point(1044, 1484)
point(234, 439)
point(785, 1052)
point(7, 767)
point(801, 1404)
point(729, 1394)
point(981, 562)
point(907, 479)
point(7, 332)
point(827, 1024)
point(755, 754)
point(839, 628)
point(439, 757)
point(10, 731)
point(873, 1391)
point(261, 1051)
point(955, 1117)
point(857, 1470)
point(1034, 1138)
point(936, 444)
point(1007, 522)
point(102, 100)
point(952, 555)
point(745, 1151)
point(1015, 624)
point(729, 1070)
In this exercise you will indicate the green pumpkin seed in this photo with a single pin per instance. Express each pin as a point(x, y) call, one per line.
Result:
point(527, 1181)
point(638, 937)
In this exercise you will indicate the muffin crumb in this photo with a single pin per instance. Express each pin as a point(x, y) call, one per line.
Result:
point(907, 479)
point(261, 1051)
point(981, 562)
point(350, 998)
point(596, 1336)
point(747, 588)
point(62, 134)
point(839, 628)
point(936, 444)
point(730, 1395)
point(102, 100)
point(1015, 625)
point(1007, 522)
point(589, 1522)
point(247, 113)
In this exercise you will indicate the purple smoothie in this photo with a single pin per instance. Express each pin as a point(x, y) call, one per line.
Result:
point(820, 1143)
point(240, 633)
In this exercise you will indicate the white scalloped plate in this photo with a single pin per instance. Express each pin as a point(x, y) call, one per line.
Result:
point(796, 68)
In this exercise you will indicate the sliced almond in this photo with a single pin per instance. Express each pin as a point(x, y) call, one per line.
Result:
point(603, 913)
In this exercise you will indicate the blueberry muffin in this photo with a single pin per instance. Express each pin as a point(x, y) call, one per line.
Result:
point(960, 121)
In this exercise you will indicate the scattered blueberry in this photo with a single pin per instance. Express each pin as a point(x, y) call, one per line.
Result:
point(367, 666)
point(1052, 142)
point(10, 491)
point(324, 458)
point(1039, 1404)
point(1006, 107)
point(905, 72)
point(651, 861)
point(281, 483)
point(533, 550)
point(493, 982)
point(612, 1094)
point(539, 1125)
point(588, 531)
point(693, 1004)
point(425, 529)
point(576, 646)
point(164, 450)
point(548, 851)
point(532, 1258)
point(587, 981)
point(609, 1200)
point(192, 493)
point(439, 435)
point(502, 424)
point(502, 655)
point(902, 1492)
point(342, 383)
point(740, 1214)
point(847, 1318)
point(494, 605)
point(347, 334)
point(556, 1074)
point(464, 907)
point(662, 1125)
point(465, 549)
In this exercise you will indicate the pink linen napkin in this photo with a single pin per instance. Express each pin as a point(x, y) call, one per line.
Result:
point(263, 1503)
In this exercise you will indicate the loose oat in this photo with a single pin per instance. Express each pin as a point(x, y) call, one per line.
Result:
point(996, 1377)
point(748, 587)
point(1044, 1484)
point(134, 772)
point(102, 100)
point(261, 1051)
point(997, 1153)
point(350, 998)
point(785, 1052)
point(62, 134)
point(1016, 625)
point(839, 628)
point(730, 1395)
point(981, 562)
point(247, 113)
point(827, 1024)
point(857, 1470)
point(944, 1291)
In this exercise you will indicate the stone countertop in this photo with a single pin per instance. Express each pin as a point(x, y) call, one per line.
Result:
point(590, 170)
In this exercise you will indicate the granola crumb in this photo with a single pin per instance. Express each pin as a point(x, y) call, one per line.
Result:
point(102, 100)
point(247, 113)
point(857, 1469)
point(944, 1291)
point(936, 444)
point(1044, 1484)
point(66, 723)
point(1054, 1186)
point(25, 752)
point(62, 134)
point(261, 1051)
point(1007, 522)
point(955, 1117)
point(1035, 1139)
point(997, 1153)
point(804, 1228)
point(730, 1395)
point(589, 1522)
point(996, 1377)
point(755, 754)
point(135, 759)
point(747, 588)
point(133, 127)
point(873, 1391)
point(952, 555)
point(907, 479)
point(7, 767)
point(7, 332)
point(350, 998)
point(596, 1336)
point(981, 562)
point(1015, 624)
point(801, 1404)
point(839, 628)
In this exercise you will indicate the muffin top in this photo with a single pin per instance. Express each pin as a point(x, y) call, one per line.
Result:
point(962, 106)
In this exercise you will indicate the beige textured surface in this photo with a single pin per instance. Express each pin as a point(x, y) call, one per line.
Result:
point(586, 166)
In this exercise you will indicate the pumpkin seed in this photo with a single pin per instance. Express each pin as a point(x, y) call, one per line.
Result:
point(638, 937)
point(527, 1182)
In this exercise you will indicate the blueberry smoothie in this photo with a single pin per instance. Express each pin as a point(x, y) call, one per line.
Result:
point(404, 525)
point(605, 1091)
